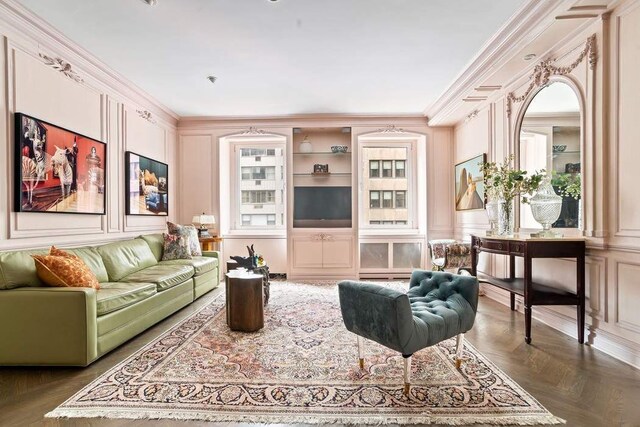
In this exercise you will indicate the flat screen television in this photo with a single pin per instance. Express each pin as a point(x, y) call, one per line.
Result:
point(322, 207)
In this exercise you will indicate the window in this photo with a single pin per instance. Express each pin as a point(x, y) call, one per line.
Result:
point(386, 185)
point(401, 199)
point(387, 199)
point(253, 152)
point(374, 169)
point(258, 172)
point(374, 199)
point(257, 195)
point(387, 170)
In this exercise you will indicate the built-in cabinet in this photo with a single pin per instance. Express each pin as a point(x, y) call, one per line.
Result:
point(322, 199)
point(320, 250)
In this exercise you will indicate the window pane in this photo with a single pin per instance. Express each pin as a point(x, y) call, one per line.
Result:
point(374, 199)
point(387, 199)
point(259, 197)
point(386, 168)
point(374, 169)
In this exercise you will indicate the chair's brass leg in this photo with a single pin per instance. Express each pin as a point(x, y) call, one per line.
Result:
point(407, 374)
point(459, 347)
point(361, 351)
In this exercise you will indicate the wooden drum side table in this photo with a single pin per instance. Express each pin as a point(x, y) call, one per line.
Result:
point(245, 307)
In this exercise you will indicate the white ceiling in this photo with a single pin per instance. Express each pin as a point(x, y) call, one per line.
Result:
point(287, 57)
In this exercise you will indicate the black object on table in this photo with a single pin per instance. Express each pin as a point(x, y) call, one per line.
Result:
point(535, 293)
point(264, 270)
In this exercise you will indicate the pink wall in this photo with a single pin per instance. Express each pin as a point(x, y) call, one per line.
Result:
point(611, 200)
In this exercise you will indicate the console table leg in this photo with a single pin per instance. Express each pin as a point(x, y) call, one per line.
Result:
point(581, 316)
point(513, 302)
point(527, 324)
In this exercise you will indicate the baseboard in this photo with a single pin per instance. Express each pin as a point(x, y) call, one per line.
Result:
point(618, 347)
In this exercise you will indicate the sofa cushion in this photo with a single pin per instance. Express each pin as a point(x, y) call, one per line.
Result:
point(64, 270)
point(155, 242)
point(114, 296)
point(164, 276)
point(176, 246)
point(199, 263)
point(17, 269)
point(92, 258)
point(126, 257)
point(190, 233)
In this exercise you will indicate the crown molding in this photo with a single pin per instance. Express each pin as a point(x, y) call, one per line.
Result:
point(524, 26)
point(28, 25)
point(304, 120)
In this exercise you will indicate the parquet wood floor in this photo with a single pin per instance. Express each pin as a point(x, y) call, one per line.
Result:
point(578, 383)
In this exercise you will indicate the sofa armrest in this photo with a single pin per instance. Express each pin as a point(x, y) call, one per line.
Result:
point(377, 313)
point(212, 254)
point(48, 326)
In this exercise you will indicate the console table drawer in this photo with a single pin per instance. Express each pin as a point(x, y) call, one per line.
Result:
point(492, 245)
point(516, 248)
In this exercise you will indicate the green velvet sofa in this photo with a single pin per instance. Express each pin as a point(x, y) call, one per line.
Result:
point(41, 325)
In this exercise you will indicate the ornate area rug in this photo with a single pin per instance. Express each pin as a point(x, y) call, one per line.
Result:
point(301, 368)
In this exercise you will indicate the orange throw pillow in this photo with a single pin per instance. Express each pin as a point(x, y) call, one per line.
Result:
point(64, 269)
point(59, 252)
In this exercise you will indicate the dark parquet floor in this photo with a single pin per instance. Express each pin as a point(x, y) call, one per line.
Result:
point(578, 383)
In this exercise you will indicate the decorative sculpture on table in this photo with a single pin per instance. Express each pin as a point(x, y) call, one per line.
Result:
point(249, 262)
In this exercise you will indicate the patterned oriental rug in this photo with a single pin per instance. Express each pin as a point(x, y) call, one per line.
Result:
point(301, 368)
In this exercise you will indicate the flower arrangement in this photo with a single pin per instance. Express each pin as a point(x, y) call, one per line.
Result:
point(504, 182)
point(568, 184)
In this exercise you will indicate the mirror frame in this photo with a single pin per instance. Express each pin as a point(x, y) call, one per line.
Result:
point(575, 86)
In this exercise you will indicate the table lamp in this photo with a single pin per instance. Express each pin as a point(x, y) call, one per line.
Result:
point(205, 221)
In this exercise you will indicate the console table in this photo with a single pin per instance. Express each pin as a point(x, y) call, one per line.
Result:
point(535, 293)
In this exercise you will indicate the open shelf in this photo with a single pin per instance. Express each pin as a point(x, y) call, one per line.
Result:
point(542, 294)
point(323, 153)
point(567, 152)
point(323, 175)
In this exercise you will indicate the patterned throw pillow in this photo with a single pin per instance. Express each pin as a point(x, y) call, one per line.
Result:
point(190, 232)
point(176, 246)
point(64, 269)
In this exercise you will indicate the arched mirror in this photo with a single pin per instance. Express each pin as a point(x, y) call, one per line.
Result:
point(550, 139)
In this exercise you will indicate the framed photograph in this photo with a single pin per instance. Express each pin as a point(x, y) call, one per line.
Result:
point(57, 170)
point(469, 184)
point(321, 168)
point(147, 185)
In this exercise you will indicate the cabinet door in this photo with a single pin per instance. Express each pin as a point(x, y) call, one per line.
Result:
point(307, 252)
point(337, 252)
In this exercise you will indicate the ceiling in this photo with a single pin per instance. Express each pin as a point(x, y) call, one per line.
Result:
point(286, 57)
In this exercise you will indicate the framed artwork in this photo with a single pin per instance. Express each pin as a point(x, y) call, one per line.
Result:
point(147, 185)
point(57, 170)
point(469, 184)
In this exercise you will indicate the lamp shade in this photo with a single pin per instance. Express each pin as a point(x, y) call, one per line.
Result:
point(204, 219)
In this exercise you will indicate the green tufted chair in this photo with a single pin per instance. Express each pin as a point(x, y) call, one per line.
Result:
point(437, 306)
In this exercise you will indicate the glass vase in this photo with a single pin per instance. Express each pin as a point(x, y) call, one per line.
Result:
point(492, 208)
point(505, 218)
point(546, 206)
